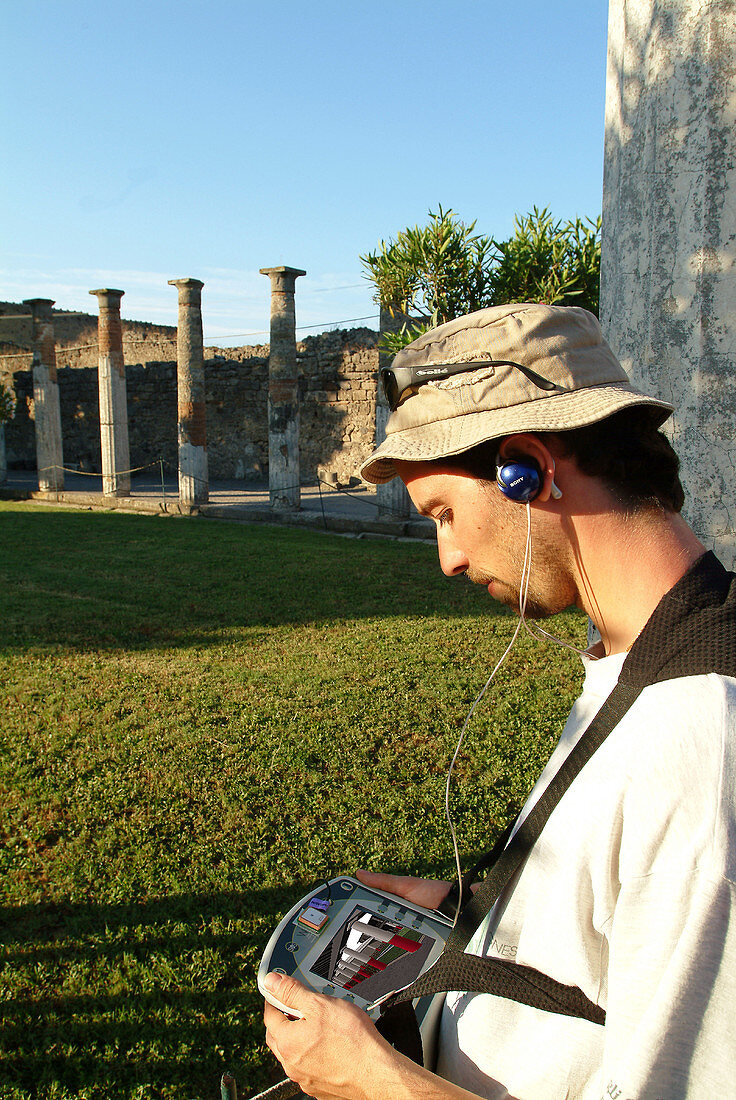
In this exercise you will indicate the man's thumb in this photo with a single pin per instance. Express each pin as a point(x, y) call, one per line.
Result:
point(287, 990)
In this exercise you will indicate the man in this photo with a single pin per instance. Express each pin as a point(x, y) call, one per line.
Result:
point(628, 893)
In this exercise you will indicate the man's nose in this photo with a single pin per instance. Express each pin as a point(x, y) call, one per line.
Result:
point(452, 559)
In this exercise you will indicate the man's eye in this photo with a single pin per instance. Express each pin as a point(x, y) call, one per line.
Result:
point(445, 517)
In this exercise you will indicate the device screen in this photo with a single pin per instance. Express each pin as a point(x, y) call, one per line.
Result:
point(371, 955)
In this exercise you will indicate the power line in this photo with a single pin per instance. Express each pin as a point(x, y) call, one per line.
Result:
point(324, 325)
point(299, 328)
point(329, 289)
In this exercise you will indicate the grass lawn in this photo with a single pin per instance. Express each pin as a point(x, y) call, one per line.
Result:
point(200, 720)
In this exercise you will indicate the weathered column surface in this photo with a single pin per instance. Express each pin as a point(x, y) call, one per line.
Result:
point(192, 431)
point(668, 283)
point(392, 498)
point(283, 392)
point(113, 396)
point(46, 407)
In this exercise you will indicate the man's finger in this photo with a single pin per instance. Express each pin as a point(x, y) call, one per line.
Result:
point(426, 892)
point(374, 878)
point(392, 884)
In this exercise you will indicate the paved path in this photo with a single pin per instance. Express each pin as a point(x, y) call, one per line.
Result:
point(352, 512)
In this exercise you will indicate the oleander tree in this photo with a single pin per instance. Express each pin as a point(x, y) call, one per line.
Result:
point(443, 269)
point(549, 261)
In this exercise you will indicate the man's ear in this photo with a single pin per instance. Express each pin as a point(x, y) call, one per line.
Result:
point(527, 445)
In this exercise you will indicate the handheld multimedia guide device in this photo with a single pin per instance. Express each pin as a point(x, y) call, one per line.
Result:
point(349, 941)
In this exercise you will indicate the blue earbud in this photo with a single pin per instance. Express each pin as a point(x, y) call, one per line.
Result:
point(521, 481)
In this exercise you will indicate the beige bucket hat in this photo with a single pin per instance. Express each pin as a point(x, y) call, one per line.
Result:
point(562, 344)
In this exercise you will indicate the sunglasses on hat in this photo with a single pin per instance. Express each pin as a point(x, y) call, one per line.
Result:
point(398, 381)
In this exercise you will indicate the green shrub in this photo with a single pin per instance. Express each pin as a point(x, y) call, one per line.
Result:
point(444, 269)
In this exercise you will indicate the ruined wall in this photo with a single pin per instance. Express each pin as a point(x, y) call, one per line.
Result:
point(337, 381)
point(76, 339)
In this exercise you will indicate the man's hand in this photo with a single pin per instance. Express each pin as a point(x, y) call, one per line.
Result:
point(334, 1051)
point(421, 891)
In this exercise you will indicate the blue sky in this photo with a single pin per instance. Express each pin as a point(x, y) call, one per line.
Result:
point(145, 141)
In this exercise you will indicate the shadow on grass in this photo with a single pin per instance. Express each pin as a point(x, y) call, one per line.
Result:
point(155, 998)
point(96, 580)
point(145, 1040)
point(90, 1037)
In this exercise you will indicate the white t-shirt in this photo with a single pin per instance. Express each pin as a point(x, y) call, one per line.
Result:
point(628, 894)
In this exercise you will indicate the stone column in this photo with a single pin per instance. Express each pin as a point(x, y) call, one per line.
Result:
point(668, 281)
point(193, 476)
point(46, 407)
point(113, 397)
point(283, 392)
point(392, 498)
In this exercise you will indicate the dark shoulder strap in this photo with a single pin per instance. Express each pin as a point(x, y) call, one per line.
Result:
point(692, 631)
point(516, 852)
point(467, 972)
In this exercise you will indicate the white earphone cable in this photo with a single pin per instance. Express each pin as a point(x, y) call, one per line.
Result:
point(525, 573)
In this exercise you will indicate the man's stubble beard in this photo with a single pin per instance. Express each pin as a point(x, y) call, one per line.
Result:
point(536, 606)
point(546, 593)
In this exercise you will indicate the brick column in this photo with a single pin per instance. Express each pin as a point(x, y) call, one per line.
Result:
point(283, 392)
point(668, 273)
point(392, 498)
point(46, 408)
point(192, 432)
point(113, 396)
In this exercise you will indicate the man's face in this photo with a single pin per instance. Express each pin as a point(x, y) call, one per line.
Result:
point(482, 534)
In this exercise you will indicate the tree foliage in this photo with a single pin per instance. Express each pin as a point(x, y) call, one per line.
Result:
point(549, 261)
point(435, 272)
point(445, 269)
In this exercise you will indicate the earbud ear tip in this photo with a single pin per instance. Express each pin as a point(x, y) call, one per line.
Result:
point(555, 491)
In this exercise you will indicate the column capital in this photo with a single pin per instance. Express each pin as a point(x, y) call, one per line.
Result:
point(39, 306)
point(283, 278)
point(190, 290)
point(108, 297)
point(295, 271)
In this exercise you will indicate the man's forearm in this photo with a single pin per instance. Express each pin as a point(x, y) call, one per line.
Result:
point(399, 1078)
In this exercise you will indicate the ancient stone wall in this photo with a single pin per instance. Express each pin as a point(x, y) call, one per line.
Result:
point(76, 339)
point(337, 381)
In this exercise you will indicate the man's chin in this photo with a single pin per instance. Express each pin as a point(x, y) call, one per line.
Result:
point(511, 598)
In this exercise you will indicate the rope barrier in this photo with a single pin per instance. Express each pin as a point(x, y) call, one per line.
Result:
point(88, 473)
point(161, 462)
point(284, 1090)
point(114, 476)
point(370, 503)
point(345, 492)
